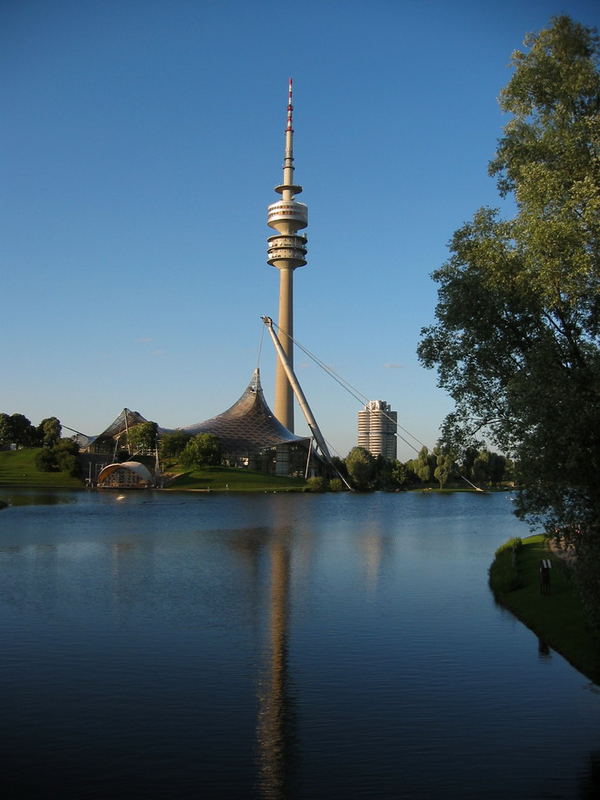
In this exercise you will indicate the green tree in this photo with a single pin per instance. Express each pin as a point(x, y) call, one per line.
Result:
point(467, 460)
point(202, 449)
point(62, 457)
point(481, 467)
point(340, 466)
point(497, 468)
point(360, 465)
point(48, 431)
point(6, 430)
point(23, 432)
point(171, 445)
point(383, 474)
point(400, 475)
point(423, 465)
point(45, 460)
point(516, 342)
point(66, 453)
point(412, 479)
point(142, 437)
point(444, 464)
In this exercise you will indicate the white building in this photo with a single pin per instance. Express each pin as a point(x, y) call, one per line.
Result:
point(377, 425)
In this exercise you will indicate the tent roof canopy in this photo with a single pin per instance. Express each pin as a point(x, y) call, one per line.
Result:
point(249, 424)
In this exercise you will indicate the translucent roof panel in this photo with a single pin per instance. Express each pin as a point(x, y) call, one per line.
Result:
point(249, 424)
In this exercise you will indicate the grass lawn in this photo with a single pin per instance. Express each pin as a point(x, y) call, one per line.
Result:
point(234, 480)
point(17, 468)
point(557, 618)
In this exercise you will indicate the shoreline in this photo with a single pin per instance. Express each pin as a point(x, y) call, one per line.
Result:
point(556, 617)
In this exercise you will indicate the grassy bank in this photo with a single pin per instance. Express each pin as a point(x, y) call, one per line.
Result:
point(221, 479)
point(557, 618)
point(17, 468)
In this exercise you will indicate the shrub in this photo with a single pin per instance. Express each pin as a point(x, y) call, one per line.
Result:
point(45, 461)
point(504, 573)
point(337, 485)
point(515, 544)
point(63, 457)
point(317, 484)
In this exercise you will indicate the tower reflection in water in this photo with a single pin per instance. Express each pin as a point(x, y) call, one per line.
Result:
point(267, 554)
point(275, 729)
point(276, 725)
point(288, 544)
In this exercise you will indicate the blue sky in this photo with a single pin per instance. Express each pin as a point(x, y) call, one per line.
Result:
point(140, 144)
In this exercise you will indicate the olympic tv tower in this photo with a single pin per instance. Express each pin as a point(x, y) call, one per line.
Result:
point(287, 251)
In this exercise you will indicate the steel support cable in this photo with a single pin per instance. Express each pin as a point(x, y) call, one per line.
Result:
point(363, 399)
point(352, 390)
point(260, 346)
point(356, 393)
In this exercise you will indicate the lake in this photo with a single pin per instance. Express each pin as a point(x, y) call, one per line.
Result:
point(276, 646)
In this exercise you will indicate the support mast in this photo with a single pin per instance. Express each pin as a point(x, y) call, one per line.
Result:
point(302, 401)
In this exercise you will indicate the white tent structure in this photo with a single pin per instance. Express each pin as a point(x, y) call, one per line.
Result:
point(127, 475)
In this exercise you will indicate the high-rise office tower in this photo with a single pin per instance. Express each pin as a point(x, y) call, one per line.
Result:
point(287, 251)
point(377, 425)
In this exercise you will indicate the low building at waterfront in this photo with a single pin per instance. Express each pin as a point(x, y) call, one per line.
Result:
point(127, 475)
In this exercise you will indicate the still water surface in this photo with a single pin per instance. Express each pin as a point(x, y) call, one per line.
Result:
point(275, 646)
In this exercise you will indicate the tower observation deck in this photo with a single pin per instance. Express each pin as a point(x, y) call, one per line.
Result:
point(287, 251)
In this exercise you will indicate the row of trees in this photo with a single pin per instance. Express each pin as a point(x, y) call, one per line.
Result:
point(481, 467)
point(17, 430)
point(190, 451)
point(61, 454)
point(363, 470)
point(56, 455)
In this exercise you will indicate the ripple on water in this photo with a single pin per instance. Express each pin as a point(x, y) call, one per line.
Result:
point(278, 646)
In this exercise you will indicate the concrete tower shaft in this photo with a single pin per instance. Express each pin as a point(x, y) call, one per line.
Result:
point(287, 251)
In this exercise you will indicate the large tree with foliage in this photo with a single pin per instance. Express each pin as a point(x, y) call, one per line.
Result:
point(172, 444)
point(444, 464)
point(360, 465)
point(516, 342)
point(48, 431)
point(141, 438)
point(202, 449)
point(423, 465)
point(6, 430)
point(63, 456)
point(16, 429)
